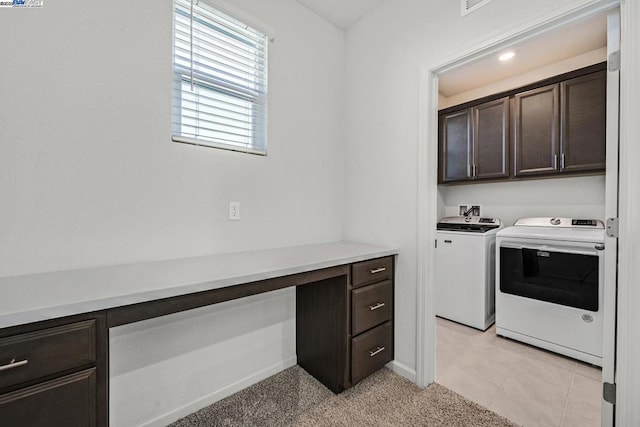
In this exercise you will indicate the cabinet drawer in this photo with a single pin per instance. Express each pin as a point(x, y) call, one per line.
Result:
point(63, 402)
point(372, 271)
point(370, 306)
point(37, 354)
point(371, 351)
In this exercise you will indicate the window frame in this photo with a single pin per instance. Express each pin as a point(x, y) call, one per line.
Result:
point(239, 87)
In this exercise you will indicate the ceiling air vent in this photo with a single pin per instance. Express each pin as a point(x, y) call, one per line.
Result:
point(468, 6)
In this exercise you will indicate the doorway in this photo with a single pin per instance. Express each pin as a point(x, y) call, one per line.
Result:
point(448, 201)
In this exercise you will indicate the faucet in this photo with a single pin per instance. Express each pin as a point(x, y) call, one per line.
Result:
point(468, 211)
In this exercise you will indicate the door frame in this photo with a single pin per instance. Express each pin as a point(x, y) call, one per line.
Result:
point(611, 211)
point(427, 207)
point(627, 411)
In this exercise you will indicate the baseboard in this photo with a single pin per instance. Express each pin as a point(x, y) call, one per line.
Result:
point(220, 394)
point(402, 370)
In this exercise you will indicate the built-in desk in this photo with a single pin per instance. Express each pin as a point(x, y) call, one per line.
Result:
point(54, 340)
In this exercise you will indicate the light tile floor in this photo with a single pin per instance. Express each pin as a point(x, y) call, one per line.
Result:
point(529, 386)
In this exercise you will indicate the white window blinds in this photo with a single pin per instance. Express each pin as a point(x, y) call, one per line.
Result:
point(219, 80)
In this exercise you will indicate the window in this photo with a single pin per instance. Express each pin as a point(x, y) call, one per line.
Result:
point(219, 80)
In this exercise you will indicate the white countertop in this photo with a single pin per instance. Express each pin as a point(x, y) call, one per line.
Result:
point(35, 297)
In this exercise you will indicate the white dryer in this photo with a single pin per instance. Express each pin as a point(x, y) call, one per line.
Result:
point(549, 285)
point(465, 270)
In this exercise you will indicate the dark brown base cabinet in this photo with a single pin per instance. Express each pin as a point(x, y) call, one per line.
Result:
point(55, 373)
point(65, 401)
point(552, 128)
point(372, 339)
point(344, 325)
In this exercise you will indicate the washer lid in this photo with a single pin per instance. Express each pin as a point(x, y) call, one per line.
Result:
point(470, 224)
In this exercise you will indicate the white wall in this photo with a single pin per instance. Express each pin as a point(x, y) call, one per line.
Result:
point(166, 368)
point(89, 176)
point(384, 53)
point(576, 197)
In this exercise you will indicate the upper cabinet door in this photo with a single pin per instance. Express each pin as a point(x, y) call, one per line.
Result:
point(536, 131)
point(455, 146)
point(584, 116)
point(491, 139)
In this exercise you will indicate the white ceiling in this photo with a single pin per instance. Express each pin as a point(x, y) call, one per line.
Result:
point(543, 50)
point(341, 13)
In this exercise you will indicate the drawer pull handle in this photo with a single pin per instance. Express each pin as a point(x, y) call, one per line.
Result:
point(378, 270)
point(13, 364)
point(377, 306)
point(376, 351)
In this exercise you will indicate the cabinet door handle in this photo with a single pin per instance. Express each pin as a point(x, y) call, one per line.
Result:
point(376, 351)
point(377, 306)
point(13, 364)
point(555, 161)
point(562, 162)
point(378, 270)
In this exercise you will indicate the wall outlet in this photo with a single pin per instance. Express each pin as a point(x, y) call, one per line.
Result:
point(234, 211)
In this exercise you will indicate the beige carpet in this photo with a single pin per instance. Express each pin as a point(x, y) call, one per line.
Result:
point(294, 398)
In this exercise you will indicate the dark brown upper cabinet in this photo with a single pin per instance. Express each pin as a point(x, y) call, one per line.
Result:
point(491, 139)
point(553, 127)
point(455, 146)
point(561, 128)
point(474, 142)
point(584, 123)
point(536, 126)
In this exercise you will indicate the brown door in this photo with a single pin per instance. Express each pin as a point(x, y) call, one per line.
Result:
point(584, 115)
point(536, 131)
point(455, 146)
point(491, 139)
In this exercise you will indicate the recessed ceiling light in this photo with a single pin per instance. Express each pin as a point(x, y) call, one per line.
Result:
point(506, 56)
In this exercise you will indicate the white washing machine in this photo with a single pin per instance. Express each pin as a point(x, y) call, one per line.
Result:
point(465, 270)
point(550, 285)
